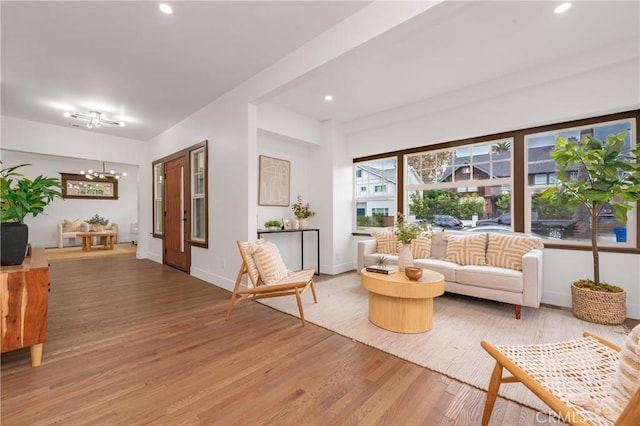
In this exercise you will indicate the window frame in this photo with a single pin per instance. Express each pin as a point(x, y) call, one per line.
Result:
point(194, 195)
point(518, 175)
point(371, 195)
point(532, 189)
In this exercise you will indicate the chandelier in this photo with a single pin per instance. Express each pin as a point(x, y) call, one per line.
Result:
point(95, 119)
point(104, 174)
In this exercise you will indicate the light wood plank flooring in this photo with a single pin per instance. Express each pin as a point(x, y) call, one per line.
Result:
point(133, 342)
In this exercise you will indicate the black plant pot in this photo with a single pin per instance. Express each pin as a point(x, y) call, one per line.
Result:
point(13, 243)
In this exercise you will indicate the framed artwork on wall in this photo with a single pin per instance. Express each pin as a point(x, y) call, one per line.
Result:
point(78, 186)
point(273, 184)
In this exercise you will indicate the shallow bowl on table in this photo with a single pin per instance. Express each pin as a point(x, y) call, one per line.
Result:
point(413, 273)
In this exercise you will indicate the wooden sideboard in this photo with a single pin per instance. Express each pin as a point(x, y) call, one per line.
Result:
point(24, 299)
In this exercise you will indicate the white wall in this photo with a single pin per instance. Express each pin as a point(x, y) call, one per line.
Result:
point(600, 83)
point(279, 121)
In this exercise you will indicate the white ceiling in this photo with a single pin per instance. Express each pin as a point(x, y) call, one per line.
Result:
point(457, 45)
point(127, 59)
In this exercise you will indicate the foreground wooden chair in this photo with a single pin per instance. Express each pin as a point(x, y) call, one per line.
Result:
point(558, 372)
point(294, 283)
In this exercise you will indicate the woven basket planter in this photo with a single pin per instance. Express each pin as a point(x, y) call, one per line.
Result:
point(600, 307)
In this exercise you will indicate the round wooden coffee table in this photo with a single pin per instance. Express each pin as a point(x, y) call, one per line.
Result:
point(399, 304)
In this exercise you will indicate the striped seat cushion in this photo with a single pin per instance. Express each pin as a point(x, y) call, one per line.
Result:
point(506, 251)
point(269, 263)
point(421, 246)
point(303, 276)
point(467, 249)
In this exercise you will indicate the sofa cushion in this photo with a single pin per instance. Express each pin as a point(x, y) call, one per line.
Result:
point(386, 242)
point(491, 277)
point(272, 268)
point(506, 251)
point(448, 269)
point(467, 249)
point(72, 225)
point(421, 246)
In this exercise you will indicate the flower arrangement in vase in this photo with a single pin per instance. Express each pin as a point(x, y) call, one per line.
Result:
point(302, 211)
point(405, 233)
point(98, 223)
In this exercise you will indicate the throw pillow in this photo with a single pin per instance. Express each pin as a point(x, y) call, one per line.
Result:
point(506, 251)
point(467, 249)
point(386, 242)
point(627, 378)
point(249, 248)
point(72, 226)
point(421, 246)
point(270, 265)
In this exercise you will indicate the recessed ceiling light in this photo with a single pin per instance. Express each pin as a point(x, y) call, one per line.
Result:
point(562, 8)
point(328, 98)
point(165, 8)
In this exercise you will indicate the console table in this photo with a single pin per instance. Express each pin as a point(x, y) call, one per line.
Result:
point(301, 232)
point(24, 296)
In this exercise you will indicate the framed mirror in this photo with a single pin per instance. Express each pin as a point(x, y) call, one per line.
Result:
point(79, 186)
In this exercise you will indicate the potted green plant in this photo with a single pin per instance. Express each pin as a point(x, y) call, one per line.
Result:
point(273, 225)
point(608, 176)
point(302, 212)
point(405, 233)
point(19, 197)
point(98, 223)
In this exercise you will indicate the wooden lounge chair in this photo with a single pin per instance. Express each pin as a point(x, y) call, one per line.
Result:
point(294, 283)
point(561, 374)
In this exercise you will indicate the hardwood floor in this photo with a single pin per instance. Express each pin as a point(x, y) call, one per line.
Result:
point(134, 342)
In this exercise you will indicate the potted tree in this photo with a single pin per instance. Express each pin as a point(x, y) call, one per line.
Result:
point(20, 196)
point(608, 176)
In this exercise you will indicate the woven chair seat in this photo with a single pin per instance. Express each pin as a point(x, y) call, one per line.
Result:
point(573, 370)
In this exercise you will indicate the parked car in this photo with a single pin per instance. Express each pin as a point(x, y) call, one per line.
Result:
point(446, 222)
point(550, 228)
point(490, 228)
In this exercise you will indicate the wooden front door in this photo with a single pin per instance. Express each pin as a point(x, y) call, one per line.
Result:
point(176, 247)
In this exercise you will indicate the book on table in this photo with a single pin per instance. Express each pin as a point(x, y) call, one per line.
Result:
point(382, 269)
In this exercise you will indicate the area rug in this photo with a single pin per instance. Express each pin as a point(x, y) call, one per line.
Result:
point(73, 253)
point(452, 346)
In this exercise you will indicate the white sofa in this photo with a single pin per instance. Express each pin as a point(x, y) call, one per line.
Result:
point(68, 229)
point(517, 287)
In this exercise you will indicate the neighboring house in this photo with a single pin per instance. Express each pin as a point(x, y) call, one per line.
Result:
point(376, 189)
point(541, 171)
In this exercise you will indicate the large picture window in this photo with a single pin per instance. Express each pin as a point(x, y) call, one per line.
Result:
point(495, 181)
point(456, 187)
point(555, 221)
